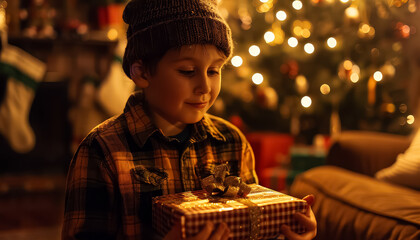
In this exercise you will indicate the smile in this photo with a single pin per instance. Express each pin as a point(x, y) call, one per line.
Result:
point(198, 105)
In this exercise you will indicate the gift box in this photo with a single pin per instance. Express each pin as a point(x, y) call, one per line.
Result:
point(257, 216)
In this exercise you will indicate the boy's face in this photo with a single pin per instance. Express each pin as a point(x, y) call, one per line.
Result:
point(184, 86)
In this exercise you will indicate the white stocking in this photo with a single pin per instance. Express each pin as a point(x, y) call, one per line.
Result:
point(24, 72)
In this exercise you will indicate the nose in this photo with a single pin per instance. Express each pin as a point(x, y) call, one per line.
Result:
point(203, 84)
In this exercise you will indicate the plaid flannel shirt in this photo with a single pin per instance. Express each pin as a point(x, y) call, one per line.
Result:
point(126, 161)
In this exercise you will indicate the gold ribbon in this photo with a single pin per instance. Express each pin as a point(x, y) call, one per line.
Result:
point(220, 185)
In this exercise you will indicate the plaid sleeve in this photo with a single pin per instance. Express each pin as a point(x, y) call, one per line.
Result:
point(91, 203)
point(248, 173)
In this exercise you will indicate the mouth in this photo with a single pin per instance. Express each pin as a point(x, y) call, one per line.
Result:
point(199, 105)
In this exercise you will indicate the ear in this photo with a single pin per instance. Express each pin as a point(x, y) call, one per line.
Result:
point(139, 75)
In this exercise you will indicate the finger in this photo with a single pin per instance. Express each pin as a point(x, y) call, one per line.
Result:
point(306, 221)
point(220, 231)
point(309, 199)
point(205, 232)
point(289, 234)
point(226, 234)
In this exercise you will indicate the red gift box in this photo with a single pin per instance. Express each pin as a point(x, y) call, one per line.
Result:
point(257, 216)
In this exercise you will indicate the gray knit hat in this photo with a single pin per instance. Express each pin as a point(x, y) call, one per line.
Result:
point(155, 26)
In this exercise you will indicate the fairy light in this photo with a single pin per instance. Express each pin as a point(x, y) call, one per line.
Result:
point(332, 42)
point(325, 89)
point(254, 50)
point(297, 4)
point(293, 42)
point(309, 48)
point(347, 64)
point(352, 12)
point(410, 119)
point(354, 77)
point(269, 37)
point(344, 1)
point(237, 61)
point(281, 15)
point(257, 78)
point(378, 76)
point(306, 101)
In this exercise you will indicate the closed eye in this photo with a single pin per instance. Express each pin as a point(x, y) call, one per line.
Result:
point(186, 72)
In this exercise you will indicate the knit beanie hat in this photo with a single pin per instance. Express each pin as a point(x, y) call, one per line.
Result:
point(155, 26)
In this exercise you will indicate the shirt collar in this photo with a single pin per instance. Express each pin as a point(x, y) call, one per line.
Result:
point(141, 127)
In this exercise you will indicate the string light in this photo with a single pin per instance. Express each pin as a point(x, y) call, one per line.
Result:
point(325, 89)
point(293, 42)
point(309, 48)
point(332, 42)
point(352, 12)
point(269, 37)
point(410, 119)
point(297, 4)
point(237, 61)
point(254, 50)
point(257, 78)
point(306, 101)
point(281, 15)
point(378, 76)
point(354, 77)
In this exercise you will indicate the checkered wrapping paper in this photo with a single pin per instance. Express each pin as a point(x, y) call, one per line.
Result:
point(195, 208)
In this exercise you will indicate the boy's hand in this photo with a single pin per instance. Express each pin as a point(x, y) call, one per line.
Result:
point(208, 232)
point(308, 220)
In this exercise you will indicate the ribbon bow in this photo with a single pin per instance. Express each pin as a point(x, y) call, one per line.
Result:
point(220, 185)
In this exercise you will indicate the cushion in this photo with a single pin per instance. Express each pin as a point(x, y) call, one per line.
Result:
point(352, 206)
point(406, 169)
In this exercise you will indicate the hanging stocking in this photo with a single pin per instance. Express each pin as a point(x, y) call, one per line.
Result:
point(23, 73)
point(116, 87)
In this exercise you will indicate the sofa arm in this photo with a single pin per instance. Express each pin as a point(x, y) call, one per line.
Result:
point(366, 152)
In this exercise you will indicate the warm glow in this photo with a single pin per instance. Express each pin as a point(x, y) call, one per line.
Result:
point(309, 48)
point(269, 37)
point(297, 4)
point(257, 78)
point(306, 101)
point(254, 50)
point(281, 15)
point(293, 42)
point(237, 61)
point(344, 1)
point(378, 76)
point(263, 1)
point(332, 42)
point(325, 89)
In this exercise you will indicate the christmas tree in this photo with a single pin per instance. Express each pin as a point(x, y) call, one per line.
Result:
point(314, 66)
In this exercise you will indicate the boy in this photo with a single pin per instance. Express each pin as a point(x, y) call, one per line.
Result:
point(164, 142)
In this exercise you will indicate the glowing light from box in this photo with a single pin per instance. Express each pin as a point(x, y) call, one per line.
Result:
point(309, 48)
point(236, 61)
point(325, 89)
point(410, 119)
point(344, 1)
point(112, 34)
point(378, 76)
point(254, 50)
point(263, 1)
point(332, 42)
point(306, 101)
point(293, 42)
point(269, 37)
point(297, 4)
point(257, 78)
point(281, 15)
